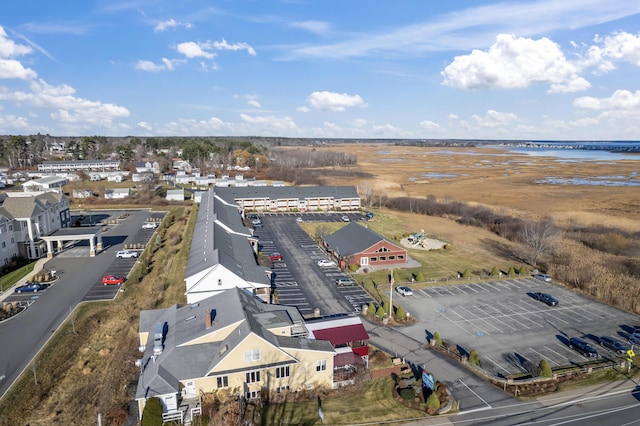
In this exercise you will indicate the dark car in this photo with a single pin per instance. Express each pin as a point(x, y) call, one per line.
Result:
point(29, 287)
point(546, 298)
point(583, 347)
point(613, 344)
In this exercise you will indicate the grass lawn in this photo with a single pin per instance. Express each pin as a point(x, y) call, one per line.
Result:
point(374, 403)
point(13, 277)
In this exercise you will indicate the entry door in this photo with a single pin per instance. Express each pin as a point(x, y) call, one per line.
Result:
point(190, 390)
point(364, 261)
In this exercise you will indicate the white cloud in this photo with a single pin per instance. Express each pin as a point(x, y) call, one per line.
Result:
point(620, 46)
point(144, 125)
point(432, 127)
point(223, 45)
point(191, 127)
point(9, 123)
point(453, 116)
point(192, 49)
point(510, 63)
point(254, 103)
point(303, 109)
point(335, 102)
point(577, 84)
point(316, 27)
point(167, 65)
point(493, 119)
point(620, 100)
point(170, 23)
point(270, 123)
point(359, 122)
point(9, 49)
point(10, 68)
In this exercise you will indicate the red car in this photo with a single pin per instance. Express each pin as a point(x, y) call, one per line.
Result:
point(275, 256)
point(112, 279)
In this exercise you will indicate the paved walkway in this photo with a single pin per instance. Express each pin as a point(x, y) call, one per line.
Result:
point(36, 269)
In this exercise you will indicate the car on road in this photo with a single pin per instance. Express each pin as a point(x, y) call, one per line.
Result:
point(126, 254)
point(345, 282)
point(112, 279)
point(583, 347)
point(275, 256)
point(613, 344)
point(404, 290)
point(542, 277)
point(546, 298)
point(29, 288)
point(345, 218)
point(326, 262)
point(299, 219)
point(150, 225)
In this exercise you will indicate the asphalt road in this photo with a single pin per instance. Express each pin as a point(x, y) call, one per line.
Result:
point(24, 336)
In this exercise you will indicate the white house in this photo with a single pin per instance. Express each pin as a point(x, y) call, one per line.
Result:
point(117, 193)
point(117, 177)
point(175, 195)
point(45, 184)
point(148, 166)
point(82, 193)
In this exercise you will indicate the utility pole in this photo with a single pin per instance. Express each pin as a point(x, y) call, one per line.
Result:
point(391, 293)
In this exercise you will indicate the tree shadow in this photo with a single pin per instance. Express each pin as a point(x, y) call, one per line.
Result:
point(502, 250)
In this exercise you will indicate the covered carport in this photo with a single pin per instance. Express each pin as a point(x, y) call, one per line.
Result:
point(91, 233)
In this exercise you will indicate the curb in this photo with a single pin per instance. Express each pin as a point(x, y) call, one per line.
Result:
point(36, 269)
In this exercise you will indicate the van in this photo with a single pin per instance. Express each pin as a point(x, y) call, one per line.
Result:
point(345, 282)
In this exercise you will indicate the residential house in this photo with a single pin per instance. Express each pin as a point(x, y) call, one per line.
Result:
point(347, 335)
point(223, 253)
point(74, 165)
point(175, 194)
point(34, 215)
point(82, 193)
point(360, 245)
point(8, 242)
point(147, 166)
point(231, 342)
point(116, 177)
point(45, 184)
point(117, 193)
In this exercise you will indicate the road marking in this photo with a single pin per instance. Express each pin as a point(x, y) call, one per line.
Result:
point(488, 406)
point(544, 357)
point(496, 364)
point(481, 319)
point(466, 320)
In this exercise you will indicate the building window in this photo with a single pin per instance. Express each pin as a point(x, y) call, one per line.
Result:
point(400, 257)
point(4, 244)
point(253, 376)
point(392, 258)
point(253, 355)
point(373, 259)
point(219, 281)
point(282, 372)
point(252, 394)
point(383, 258)
point(281, 389)
point(13, 240)
point(223, 381)
point(321, 365)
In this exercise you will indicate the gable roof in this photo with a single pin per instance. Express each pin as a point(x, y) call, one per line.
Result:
point(338, 330)
point(352, 238)
point(231, 194)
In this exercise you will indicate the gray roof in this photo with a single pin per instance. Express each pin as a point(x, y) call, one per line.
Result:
point(221, 238)
point(187, 323)
point(232, 194)
point(78, 162)
point(352, 239)
point(22, 207)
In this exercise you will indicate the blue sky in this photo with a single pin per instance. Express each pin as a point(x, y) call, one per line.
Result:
point(547, 69)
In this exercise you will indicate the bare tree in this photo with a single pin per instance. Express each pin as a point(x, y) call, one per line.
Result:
point(539, 238)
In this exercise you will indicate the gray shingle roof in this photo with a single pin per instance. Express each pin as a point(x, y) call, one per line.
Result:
point(352, 239)
point(22, 207)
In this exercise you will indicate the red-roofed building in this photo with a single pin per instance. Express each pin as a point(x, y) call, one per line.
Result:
point(346, 334)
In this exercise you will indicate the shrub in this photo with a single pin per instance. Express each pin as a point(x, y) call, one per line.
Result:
point(512, 271)
point(474, 357)
point(420, 277)
point(380, 312)
point(494, 272)
point(437, 338)
point(545, 369)
point(401, 313)
point(371, 311)
point(152, 413)
point(432, 401)
point(522, 270)
point(447, 246)
point(466, 274)
point(407, 394)
point(353, 267)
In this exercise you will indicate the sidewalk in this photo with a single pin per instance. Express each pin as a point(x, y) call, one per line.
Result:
point(588, 392)
point(36, 269)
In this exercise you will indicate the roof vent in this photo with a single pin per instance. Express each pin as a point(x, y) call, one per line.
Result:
point(158, 338)
point(191, 318)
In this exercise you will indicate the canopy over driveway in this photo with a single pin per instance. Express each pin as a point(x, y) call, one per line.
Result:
point(72, 234)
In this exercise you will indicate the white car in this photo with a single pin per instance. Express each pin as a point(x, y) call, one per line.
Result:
point(326, 262)
point(542, 277)
point(345, 218)
point(299, 219)
point(126, 254)
point(150, 225)
point(404, 290)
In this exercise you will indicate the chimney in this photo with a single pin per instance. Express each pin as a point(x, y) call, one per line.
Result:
point(207, 319)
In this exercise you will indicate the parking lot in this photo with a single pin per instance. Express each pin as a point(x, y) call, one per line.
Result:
point(509, 328)
point(299, 280)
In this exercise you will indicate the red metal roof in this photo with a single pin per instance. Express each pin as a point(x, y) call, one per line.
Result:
point(342, 335)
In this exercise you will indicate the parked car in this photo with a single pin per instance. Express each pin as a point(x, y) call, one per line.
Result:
point(29, 288)
point(150, 225)
point(369, 215)
point(542, 277)
point(546, 298)
point(345, 282)
point(126, 254)
point(404, 290)
point(256, 222)
point(583, 347)
point(345, 218)
point(275, 256)
point(635, 337)
point(299, 219)
point(112, 279)
point(613, 344)
point(326, 262)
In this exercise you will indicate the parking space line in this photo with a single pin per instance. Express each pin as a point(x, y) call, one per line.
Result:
point(497, 316)
point(557, 353)
point(456, 323)
point(550, 360)
point(466, 320)
point(481, 319)
point(496, 364)
point(423, 291)
point(512, 314)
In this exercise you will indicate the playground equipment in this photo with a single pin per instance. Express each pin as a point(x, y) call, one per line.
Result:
point(417, 239)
